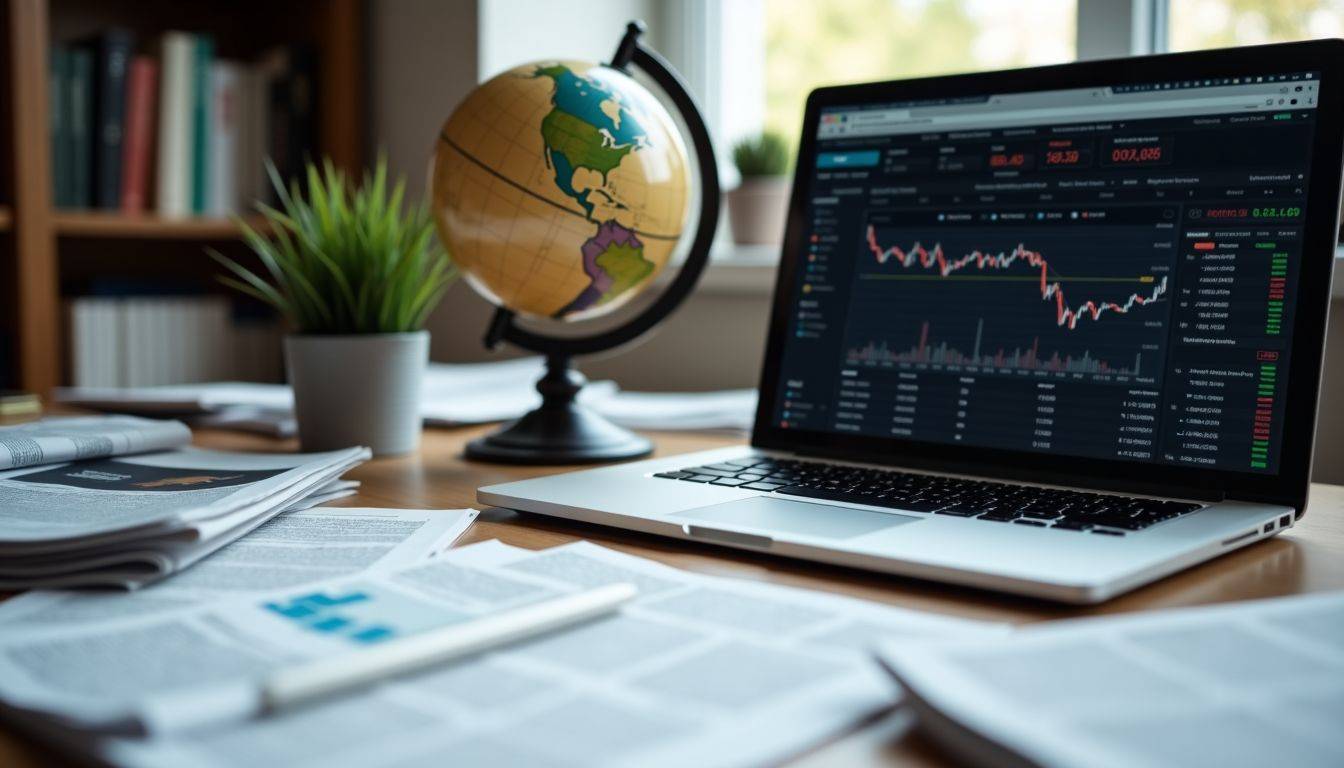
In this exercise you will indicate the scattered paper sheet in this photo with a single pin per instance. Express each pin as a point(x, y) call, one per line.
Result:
point(1246, 684)
point(697, 671)
point(290, 550)
point(71, 438)
point(453, 394)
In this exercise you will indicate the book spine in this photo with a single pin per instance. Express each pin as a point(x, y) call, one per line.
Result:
point(58, 84)
point(81, 127)
point(173, 183)
point(226, 83)
point(114, 53)
point(255, 184)
point(138, 134)
point(200, 118)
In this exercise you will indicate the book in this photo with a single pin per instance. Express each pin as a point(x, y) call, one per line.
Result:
point(252, 182)
point(224, 166)
point(138, 134)
point(112, 51)
point(14, 403)
point(174, 184)
point(79, 93)
point(200, 122)
point(291, 107)
point(58, 84)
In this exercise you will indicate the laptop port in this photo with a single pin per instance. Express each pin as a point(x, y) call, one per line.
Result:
point(1285, 521)
point(1269, 527)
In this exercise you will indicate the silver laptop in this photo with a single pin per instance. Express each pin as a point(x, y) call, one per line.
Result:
point(1055, 331)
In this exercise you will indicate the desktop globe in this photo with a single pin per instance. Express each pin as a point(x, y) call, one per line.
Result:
point(560, 189)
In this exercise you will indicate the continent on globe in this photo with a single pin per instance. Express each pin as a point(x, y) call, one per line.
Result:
point(587, 128)
point(614, 260)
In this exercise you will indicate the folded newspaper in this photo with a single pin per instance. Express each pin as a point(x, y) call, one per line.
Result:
point(126, 521)
point(72, 438)
point(698, 670)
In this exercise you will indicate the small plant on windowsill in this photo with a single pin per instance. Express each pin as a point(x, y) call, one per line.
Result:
point(355, 273)
point(758, 206)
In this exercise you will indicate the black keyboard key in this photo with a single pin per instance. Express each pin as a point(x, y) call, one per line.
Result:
point(701, 478)
point(723, 467)
point(710, 470)
point(957, 512)
point(750, 477)
point(764, 486)
point(1025, 521)
point(674, 475)
point(998, 517)
point(1071, 525)
point(1105, 532)
point(731, 481)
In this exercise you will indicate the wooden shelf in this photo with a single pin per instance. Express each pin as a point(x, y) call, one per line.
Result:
point(6, 219)
point(97, 224)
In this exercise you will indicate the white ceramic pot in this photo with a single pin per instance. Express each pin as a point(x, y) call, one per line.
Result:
point(358, 390)
point(757, 209)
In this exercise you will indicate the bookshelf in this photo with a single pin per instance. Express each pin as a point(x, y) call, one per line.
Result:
point(47, 253)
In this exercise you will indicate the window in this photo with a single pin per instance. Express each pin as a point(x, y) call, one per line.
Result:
point(810, 43)
point(1196, 24)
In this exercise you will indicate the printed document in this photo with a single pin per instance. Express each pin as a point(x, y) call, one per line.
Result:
point(698, 670)
point(73, 438)
point(1244, 684)
point(290, 550)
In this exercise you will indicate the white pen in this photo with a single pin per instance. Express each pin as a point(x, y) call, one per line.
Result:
point(286, 688)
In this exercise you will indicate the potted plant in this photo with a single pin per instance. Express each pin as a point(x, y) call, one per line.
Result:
point(355, 276)
point(759, 205)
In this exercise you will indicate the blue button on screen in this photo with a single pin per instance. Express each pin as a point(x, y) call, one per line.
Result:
point(865, 159)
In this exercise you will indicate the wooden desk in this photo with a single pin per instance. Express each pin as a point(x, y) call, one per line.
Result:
point(1308, 558)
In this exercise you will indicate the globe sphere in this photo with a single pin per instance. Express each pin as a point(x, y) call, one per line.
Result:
point(560, 189)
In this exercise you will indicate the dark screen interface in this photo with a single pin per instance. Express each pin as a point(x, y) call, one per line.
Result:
point(1107, 272)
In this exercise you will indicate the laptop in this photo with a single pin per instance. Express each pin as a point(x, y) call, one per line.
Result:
point(1053, 331)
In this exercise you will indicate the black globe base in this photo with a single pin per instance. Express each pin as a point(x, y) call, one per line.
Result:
point(561, 431)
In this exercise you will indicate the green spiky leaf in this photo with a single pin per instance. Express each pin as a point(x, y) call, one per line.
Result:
point(341, 260)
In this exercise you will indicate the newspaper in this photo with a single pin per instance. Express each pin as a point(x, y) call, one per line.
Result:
point(290, 550)
point(129, 520)
point(1245, 684)
point(698, 670)
point(72, 438)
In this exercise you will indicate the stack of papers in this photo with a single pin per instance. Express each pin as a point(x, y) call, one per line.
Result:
point(112, 519)
point(453, 395)
point(697, 671)
point(1246, 684)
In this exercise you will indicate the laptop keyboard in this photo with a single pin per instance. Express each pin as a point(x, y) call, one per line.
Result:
point(1099, 513)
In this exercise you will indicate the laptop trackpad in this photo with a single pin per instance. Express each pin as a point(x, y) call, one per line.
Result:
point(774, 514)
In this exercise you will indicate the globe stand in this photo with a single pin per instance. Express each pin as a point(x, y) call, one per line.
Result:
point(562, 430)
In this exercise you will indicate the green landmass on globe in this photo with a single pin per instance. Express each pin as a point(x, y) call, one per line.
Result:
point(602, 176)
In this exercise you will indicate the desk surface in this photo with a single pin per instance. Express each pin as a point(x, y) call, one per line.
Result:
point(1308, 558)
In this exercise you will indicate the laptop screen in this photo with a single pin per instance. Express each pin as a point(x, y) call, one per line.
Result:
point(1104, 272)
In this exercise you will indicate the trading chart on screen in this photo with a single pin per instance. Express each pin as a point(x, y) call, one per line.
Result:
point(1106, 273)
